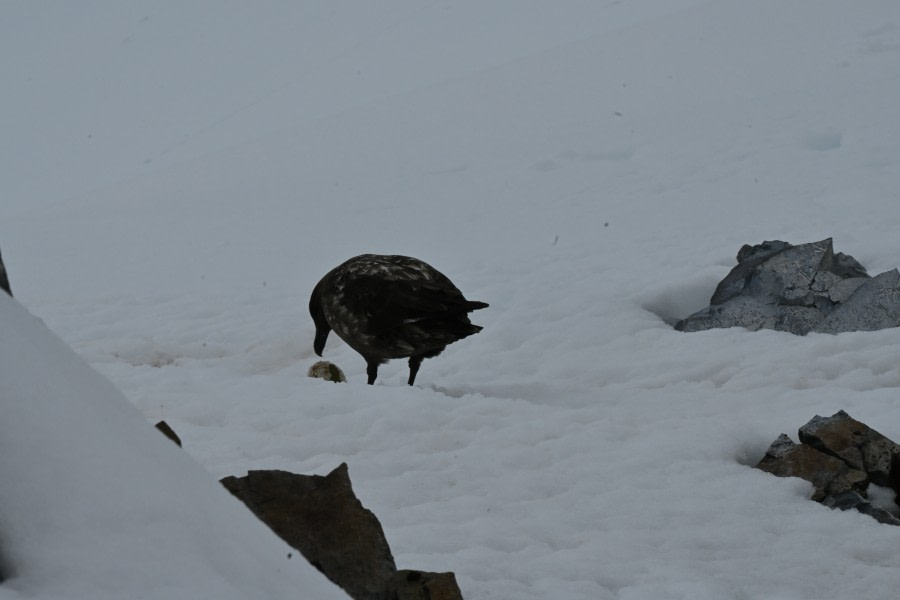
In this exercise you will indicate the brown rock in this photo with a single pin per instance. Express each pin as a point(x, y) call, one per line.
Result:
point(418, 585)
point(857, 444)
point(829, 475)
point(322, 518)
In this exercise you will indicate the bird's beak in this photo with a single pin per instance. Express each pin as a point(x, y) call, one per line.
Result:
point(319, 342)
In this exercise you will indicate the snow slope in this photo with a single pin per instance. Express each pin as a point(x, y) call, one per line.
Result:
point(590, 171)
point(98, 504)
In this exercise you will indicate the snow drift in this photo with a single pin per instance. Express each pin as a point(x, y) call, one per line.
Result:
point(97, 504)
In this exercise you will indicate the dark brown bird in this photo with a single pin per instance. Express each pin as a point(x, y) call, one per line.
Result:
point(386, 306)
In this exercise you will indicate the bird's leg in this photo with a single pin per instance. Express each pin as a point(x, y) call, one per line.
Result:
point(372, 370)
point(414, 363)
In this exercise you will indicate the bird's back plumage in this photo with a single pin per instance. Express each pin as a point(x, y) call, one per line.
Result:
point(389, 306)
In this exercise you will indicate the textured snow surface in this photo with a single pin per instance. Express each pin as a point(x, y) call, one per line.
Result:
point(178, 177)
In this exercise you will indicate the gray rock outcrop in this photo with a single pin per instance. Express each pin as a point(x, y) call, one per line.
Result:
point(800, 289)
point(840, 456)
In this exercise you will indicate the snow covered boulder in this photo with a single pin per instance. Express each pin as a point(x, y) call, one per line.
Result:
point(800, 289)
point(95, 503)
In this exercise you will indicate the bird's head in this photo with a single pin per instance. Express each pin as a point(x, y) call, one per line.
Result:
point(318, 316)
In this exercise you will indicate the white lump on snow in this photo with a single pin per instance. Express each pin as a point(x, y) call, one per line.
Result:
point(95, 503)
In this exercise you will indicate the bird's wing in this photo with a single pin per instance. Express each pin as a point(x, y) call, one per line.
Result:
point(391, 303)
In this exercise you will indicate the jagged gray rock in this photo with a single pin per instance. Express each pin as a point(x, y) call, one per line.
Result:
point(873, 305)
point(800, 289)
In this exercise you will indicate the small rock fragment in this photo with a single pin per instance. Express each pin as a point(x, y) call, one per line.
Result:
point(169, 432)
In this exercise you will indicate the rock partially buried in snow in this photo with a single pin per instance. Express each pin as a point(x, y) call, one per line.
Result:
point(850, 499)
point(327, 371)
point(840, 456)
point(830, 476)
point(874, 304)
point(323, 519)
point(800, 289)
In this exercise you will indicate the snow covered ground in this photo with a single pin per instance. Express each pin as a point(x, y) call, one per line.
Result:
point(178, 176)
